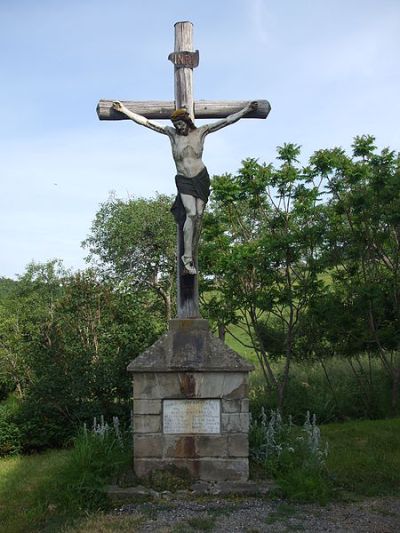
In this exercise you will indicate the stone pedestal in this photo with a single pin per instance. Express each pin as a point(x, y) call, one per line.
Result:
point(191, 405)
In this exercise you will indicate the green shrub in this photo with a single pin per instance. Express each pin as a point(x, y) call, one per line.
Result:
point(47, 491)
point(345, 396)
point(10, 435)
point(294, 456)
point(97, 456)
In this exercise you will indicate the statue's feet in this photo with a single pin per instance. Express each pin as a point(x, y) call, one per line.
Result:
point(188, 264)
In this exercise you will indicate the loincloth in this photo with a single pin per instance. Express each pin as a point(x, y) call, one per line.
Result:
point(198, 186)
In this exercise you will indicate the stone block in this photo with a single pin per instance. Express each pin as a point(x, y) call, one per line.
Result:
point(144, 466)
point(169, 385)
point(238, 445)
point(231, 406)
point(224, 470)
point(209, 384)
point(235, 385)
point(148, 445)
point(187, 384)
point(244, 405)
point(145, 386)
point(215, 470)
point(195, 446)
point(179, 446)
point(235, 423)
point(211, 445)
point(146, 423)
point(147, 407)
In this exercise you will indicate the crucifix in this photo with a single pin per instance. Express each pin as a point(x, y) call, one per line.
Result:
point(187, 142)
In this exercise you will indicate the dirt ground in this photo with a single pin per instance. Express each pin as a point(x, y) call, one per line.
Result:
point(251, 515)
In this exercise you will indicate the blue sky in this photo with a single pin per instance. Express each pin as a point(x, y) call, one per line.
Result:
point(330, 69)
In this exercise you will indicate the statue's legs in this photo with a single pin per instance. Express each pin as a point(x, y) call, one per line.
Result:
point(194, 208)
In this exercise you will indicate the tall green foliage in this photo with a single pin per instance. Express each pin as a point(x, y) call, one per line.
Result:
point(134, 243)
point(75, 337)
point(362, 251)
point(261, 255)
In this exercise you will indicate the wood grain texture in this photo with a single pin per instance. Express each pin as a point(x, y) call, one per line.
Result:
point(203, 109)
point(184, 76)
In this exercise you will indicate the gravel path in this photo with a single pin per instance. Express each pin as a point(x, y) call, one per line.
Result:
point(253, 515)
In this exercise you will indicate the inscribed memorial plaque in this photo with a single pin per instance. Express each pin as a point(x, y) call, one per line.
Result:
point(191, 416)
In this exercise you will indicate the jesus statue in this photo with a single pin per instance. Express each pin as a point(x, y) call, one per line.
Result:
point(192, 179)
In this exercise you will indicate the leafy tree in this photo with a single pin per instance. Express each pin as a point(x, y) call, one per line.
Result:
point(362, 251)
point(73, 336)
point(261, 257)
point(134, 242)
point(81, 357)
point(27, 305)
point(6, 287)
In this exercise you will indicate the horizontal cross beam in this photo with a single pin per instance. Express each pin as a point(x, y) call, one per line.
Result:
point(163, 110)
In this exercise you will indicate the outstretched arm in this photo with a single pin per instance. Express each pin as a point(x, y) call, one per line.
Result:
point(231, 119)
point(139, 119)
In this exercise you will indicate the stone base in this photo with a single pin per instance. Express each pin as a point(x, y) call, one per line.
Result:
point(243, 488)
point(188, 364)
point(204, 469)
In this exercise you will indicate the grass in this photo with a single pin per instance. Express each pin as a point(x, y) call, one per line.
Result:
point(235, 344)
point(48, 491)
point(347, 397)
point(362, 461)
point(27, 491)
point(57, 491)
point(106, 523)
point(364, 456)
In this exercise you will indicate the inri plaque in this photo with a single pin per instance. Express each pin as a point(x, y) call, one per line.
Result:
point(192, 416)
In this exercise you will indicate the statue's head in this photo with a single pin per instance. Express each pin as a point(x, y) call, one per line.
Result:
point(182, 121)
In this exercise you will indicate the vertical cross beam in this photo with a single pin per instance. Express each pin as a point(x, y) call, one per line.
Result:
point(187, 285)
point(184, 75)
point(184, 59)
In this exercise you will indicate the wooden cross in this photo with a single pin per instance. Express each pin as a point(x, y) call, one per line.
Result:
point(184, 59)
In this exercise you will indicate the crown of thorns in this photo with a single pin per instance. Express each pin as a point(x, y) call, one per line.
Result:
point(182, 114)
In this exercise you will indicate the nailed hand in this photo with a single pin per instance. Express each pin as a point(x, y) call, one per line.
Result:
point(253, 105)
point(117, 106)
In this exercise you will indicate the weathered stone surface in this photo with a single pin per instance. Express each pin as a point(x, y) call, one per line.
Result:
point(147, 423)
point(244, 405)
point(189, 346)
point(209, 384)
point(224, 470)
point(235, 386)
point(211, 445)
point(180, 446)
point(187, 384)
point(247, 488)
point(183, 376)
point(231, 406)
point(145, 386)
point(204, 469)
point(148, 445)
point(235, 423)
point(169, 384)
point(147, 407)
point(238, 445)
point(195, 446)
point(144, 466)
